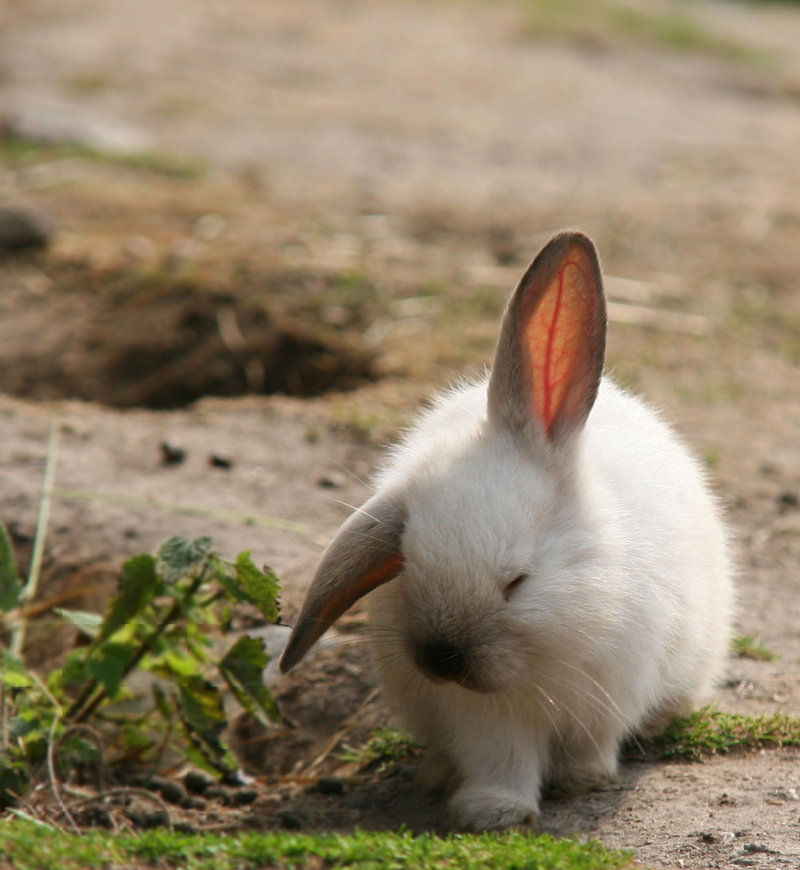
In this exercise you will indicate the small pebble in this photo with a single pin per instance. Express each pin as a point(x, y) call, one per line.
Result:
point(194, 803)
point(753, 848)
point(219, 793)
point(96, 817)
point(330, 785)
point(197, 782)
point(217, 461)
point(157, 819)
point(22, 230)
point(291, 820)
point(168, 789)
point(243, 796)
point(785, 794)
point(171, 455)
point(332, 480)
point(173, 792)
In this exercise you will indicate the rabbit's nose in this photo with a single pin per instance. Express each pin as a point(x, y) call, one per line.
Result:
point(443, 659)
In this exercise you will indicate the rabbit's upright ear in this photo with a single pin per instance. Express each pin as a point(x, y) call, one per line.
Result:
point(549, 356)
point(364, 554)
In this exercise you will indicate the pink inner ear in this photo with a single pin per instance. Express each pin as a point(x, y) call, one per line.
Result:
point(557, 336)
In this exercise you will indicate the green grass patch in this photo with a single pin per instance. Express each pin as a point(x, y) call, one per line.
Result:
point(384, 750)
point(748, 646)
point(601, 21)
point(28, 846)
point(21, 151)
point(710, 731)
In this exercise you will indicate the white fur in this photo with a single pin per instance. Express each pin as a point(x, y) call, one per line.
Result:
point(623, 621)
point(549, 569)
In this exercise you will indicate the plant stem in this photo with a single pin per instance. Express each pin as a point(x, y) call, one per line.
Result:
point(80, 700)
point(212, 599)
point(3, 720)
point(76, 714)
point(29, 592)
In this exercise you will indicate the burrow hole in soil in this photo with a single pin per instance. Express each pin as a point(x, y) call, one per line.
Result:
point(167, 349)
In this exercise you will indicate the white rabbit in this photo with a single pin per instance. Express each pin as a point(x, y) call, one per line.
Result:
point(559, 570)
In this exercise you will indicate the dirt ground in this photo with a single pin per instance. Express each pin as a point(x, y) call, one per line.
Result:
point(372, 180)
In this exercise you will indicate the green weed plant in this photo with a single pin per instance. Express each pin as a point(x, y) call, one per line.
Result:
point(166, 618)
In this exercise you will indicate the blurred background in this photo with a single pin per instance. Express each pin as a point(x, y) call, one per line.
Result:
point(314, 196)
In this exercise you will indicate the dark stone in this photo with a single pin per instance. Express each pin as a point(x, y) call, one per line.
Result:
point(143, 819)
point(219, 793)
point(22, 230)
point(197, 782)
point(194, 803)
point(332, 480)
point(95, 817)
point(330, 785)
point(244, 796)
point(171, 455)
point(291, 819)
point(173, 792)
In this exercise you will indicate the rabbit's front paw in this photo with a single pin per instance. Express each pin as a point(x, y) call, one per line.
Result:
point(475, 808)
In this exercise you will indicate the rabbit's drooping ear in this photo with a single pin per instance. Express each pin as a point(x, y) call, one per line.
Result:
point(549, 356)
point(364, 554)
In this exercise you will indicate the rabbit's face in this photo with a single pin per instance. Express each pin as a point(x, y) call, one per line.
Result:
point(487, 585)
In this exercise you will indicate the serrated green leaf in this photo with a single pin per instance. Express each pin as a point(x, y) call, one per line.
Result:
point(178, 555)
point(198, 651)
point(233, 589)
point(243, 670)
point(74, 670)
point(88, 623)
point(13, 672)
point(10, 586)
point(262, 589)
point(31, 725)
point(203, 717)
point(138, 586)
point(198, 640)
point(201, 705)
point(14, 780)
point(75, 749)
point(206, 758)
point(177, 665)
point(107, 664)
